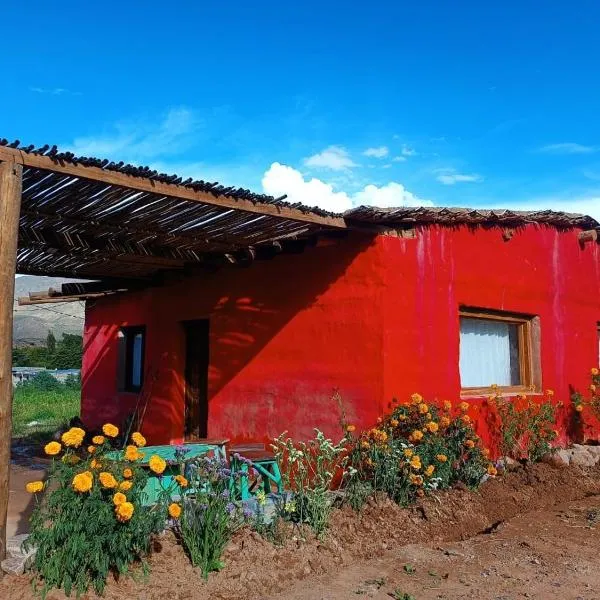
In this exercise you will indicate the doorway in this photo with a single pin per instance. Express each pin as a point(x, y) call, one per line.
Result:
point(196, 379)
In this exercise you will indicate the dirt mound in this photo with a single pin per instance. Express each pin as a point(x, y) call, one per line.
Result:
point(255, 568)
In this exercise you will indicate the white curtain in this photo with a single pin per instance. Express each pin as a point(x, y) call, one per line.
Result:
point(488, 353)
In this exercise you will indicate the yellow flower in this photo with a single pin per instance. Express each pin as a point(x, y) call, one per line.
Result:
point(127, 473)
point(447, 405)
point(429, 470)
point(464, 406)
point(132, 453)
point(416, 398)
point(175, 509)
point(125, 485)
point(470, 444)
point(33, 487)
point(73, 437)
point(579, 408)
point(82, 482)
point(415, 462)
point(492, 470)
point(261, 498)
point(91, 449)
point(592, 388)
point(444, 421)
point(394, 423)
point(432, 426)
point(119, 498)
point(365, 445)
point(350, 428)
point(408, 452)
point(124, 511)
point(107, 480)
point(95, 464)
point(442, 457)
point(138, 439)
point(157, 464)
point(402, 417)
point(486, 452)
point(416, 435)
point(98, 440)
point(466, 419)
point(369, 462)
point(52, 449)
point(594, 371)
point(181, 480)
point(423, 408)
point(110, 430)
point(416, 479)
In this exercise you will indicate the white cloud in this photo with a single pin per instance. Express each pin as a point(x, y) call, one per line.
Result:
point(408, 151)
point(141, 141)
point(335, 158)
point(567, 148)
point(54, 91)
point(451, 177)
point(280, 179)
point(379, 152)
point(399, 159)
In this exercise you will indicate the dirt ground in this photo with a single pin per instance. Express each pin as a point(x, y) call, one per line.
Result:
point(529, 534)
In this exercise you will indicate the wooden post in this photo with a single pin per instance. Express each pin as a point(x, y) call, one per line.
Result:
point(10, 206)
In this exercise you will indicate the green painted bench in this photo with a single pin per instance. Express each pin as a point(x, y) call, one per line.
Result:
point(264, 462)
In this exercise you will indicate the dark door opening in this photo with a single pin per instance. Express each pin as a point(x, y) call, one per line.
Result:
point(196, 379)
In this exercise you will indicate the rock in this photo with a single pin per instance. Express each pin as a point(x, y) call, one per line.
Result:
point(560, 458)
point(16, 565)
point(14, 546)
point(582, 458)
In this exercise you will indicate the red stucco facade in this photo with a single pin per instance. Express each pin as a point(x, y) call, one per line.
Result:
point(374, 317)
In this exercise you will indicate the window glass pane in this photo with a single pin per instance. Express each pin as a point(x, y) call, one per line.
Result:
point(489, 353)
point(136, 360)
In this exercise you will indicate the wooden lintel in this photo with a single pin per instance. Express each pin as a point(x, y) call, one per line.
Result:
point(143, 184)
point(25, 301)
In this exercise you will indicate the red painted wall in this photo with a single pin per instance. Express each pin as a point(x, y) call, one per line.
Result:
point(374, 318)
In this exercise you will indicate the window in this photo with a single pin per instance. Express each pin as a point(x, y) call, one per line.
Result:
point(132, 341)
point(498, 348)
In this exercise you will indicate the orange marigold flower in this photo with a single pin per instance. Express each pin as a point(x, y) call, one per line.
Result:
point(127, 473)
point(444, 421)
point(417, 435)
point(91, 449)
point(125, 485)
point(415, 462)
point(107, 480)
point(95, 464)
point(408, 452)
point(486, 452)
point(138, 439)
point(447, 405)
point(33, 487)
point(132, 453)
point(73, 437)
point(119, 498)
point(442, 457)
point(466, 419)
point(416, 398)
point(594, 371)
point(369, 462)
point(157, 464)
point(579, 408)
point(432, 426)
point(52, 448)
point(174, 510)
point(82, 482)
point(181, 480)
point(470, 444)
point(402, 417)
point(592, 388)
point(423, 408)
point(464, 406)
point(98, 440)
point(124, 511)
point(394, 422)
point(492, 470)
point(110, 430)
point(350, 428)
point(429, 470)
point(364, 444)
point(416, 479)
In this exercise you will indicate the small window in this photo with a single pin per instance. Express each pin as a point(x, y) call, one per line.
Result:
point(498, 348)
point(132, 341)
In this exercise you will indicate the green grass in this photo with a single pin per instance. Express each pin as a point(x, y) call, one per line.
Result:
point(49, 410)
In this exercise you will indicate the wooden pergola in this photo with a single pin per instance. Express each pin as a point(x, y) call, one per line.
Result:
point(126, 226)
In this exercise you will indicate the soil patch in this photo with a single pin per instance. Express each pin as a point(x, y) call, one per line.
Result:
point(255, 568)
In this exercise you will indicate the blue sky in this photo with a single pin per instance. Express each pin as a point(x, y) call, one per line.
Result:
point(336, 103)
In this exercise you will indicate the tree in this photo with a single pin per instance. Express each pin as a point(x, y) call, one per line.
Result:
point(51, 343)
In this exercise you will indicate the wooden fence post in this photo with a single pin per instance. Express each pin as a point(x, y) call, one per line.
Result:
point(10, 206)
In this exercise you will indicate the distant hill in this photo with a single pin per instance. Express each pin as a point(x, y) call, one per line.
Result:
point(32, 323)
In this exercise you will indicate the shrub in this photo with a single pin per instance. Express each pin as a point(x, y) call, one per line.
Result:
point(43, 382)
point(526, 428)
point(91, 520)
point(584, 407)
point(309, 469)
point(416, 449)
point(207, 518)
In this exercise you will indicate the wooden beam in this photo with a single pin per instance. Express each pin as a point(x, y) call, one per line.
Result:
point(25, 301)
point(144, 184)
point(10, 205)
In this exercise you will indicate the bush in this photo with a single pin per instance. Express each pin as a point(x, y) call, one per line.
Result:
point(309, 470)
point(416, 449)
point(43, 382)
point(91, 521)
point(208, 516)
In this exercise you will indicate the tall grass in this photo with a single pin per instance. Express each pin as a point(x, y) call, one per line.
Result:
point(37, 412)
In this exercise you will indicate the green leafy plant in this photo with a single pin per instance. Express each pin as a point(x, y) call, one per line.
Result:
point(309, 469)
point(91, 521)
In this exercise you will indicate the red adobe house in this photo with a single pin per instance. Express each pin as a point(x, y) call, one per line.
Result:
point(444, 302)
